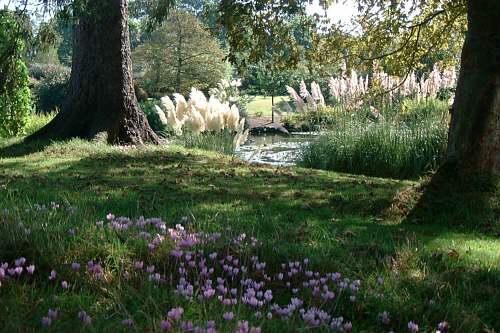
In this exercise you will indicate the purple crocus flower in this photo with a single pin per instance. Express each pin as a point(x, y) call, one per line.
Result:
point(175, 313)
point(413, 327)
point(384, 317)
point(30, 269)
point(46, 321)
point(228, 316)
point(64, 285)
point(52, 314)
point(20, 262)
point(75, 266)
point(165, 326)
point(443, 326)
point(138, 265)
point(52, 275)
point(128, 322)
point(85, 318)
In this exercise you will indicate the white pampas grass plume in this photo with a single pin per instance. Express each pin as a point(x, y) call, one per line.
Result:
point(240, 138)
point(161, 115)
point(299, 102)
point(181, 109)
point(167, 104)
point(215, 121)
point(199, 101)
point(195, 121)
point(316, 93)
point(233, 118)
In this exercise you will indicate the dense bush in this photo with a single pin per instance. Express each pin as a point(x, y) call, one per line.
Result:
point(52, 88)
point(15, 96)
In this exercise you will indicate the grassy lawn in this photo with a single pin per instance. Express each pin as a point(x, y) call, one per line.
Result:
point(261, 105)
point(438, 256)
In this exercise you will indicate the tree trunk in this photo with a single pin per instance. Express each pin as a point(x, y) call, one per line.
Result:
point(474, 135)
point(101, 98)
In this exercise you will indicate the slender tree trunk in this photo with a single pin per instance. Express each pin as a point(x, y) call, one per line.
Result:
point(101, 95)
point(474, 136)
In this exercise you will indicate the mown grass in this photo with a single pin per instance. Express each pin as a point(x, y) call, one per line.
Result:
point(436, 246)
point(262, 106)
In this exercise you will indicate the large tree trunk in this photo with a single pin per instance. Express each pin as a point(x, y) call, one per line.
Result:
point(101, 96)
point(474, 136)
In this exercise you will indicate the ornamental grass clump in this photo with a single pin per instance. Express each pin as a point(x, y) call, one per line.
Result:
point(201, 123)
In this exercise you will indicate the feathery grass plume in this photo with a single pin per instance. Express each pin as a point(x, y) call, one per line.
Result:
point(161, 115)
point(167, 104)
point(195, 121)
point(233, 118)
point(215, 121)
point(316, 93)
point(240, 138)
point(181, 109)
point(198, 100)
point(304, 93)
point(299, 102)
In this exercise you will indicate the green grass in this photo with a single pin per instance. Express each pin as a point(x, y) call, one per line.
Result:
point(261, 105)
point(431, 242)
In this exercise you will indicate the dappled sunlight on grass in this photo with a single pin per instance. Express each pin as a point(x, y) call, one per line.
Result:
point(355, 224)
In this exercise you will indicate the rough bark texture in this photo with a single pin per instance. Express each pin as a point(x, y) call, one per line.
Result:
point(474, 137)
point(101, 97)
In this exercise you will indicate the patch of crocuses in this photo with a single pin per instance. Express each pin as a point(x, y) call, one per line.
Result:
point(214, 269)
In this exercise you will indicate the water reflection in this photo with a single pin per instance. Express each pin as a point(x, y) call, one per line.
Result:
point(274, 149)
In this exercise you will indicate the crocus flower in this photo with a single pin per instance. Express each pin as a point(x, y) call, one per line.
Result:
point(412, 327)
point(52, 275)
point(165, 326)
point(75, 266)
point(175, 313)
point(46, 321)
point(138, 265)
point(85, 318)
point(30, 269)
point(228, 316)
point(64, 285)
point(128, 322)
point(20, 262)
point(52, 314)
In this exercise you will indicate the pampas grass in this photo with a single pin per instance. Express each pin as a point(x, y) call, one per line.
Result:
point(201, 123)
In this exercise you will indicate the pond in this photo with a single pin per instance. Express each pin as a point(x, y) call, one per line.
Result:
point(274, 149)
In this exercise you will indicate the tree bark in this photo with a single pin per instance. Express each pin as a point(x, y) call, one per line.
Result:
point(101, 95)
point(474, 135)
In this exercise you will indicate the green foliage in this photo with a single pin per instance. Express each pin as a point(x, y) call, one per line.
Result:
point(38, 121)
point(383, 148)
point(50, 92)
point(15, 97)
point(148, 107)
point(179, 55)
point(221, 142)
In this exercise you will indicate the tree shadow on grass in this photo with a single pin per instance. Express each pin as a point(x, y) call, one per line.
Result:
point(23, 148)
point(331, 218)
point(470, 203)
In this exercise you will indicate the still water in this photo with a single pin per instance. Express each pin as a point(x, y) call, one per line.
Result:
point(274, 149)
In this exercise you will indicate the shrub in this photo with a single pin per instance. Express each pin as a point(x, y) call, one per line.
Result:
point(382, 149)
point(15, 103)
point(51, 91)
point(15, 97)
